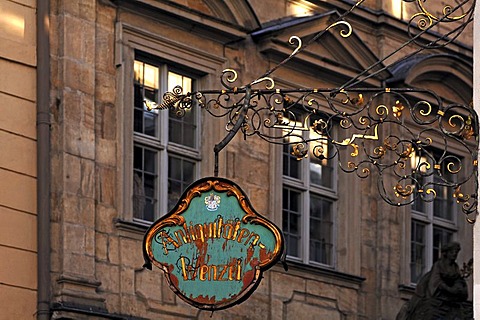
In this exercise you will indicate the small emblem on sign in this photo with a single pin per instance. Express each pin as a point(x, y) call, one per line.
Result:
point(212, 202)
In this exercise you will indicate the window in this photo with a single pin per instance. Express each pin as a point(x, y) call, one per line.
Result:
point(433, 224)
point(165, 147)
point(309, 197)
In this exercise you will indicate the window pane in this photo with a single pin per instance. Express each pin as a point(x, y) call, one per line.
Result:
point(146, 78)
point(138, 121)
point(440, 238)
point(187, 84)
point(144, 183)
point(418, 205)
point(175, 79)
point(138, 109)
point(293, 121)
point(321, 175)
point(181, 173)
point(188, 172)
point(138, 71)
point(149, 185)
point(174, 193)
point(182, 130)
point(291, 221)
point(291, 166)
point(149, 211)
point(149, 161)
point(444, 203)
point(321, 230)
point(417, 251)
point(137, 158)
point(150, 76)
point(321, 169)
point(149, 94)
point(421, 163)
point(150, 121)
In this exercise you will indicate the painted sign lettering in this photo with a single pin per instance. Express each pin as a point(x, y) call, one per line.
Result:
point(213, 246)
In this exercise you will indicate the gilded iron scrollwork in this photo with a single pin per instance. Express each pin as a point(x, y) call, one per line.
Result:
point(406, 142)
point(413, 144)
point(456, 14)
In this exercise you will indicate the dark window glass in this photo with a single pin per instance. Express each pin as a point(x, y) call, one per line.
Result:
point(417, 251)
point(182, 130)
point(419, 205)
point(146, 89)
point(181, 173)
point(321, 230)
point(291, 221)
point(321, 169)
point(444, 203)
point(291, 166)
point(144, 183)
point(441, 237)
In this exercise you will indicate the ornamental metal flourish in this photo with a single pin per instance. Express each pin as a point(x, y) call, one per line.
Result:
point(410, 140)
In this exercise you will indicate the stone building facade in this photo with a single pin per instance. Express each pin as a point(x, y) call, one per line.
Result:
point(116, 167)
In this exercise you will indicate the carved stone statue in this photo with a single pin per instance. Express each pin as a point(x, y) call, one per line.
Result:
point(441, 293)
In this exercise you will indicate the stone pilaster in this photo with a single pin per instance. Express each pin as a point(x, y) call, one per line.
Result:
point(74, 156)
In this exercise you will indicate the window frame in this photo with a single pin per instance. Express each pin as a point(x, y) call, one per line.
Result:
point(430, 221)
point(160, 142)
point(203, 65)
point(307, 189)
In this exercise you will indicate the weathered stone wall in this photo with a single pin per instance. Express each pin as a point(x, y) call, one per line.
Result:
point(97, 251)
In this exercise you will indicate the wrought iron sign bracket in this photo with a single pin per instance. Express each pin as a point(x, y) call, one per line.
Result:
point(231, 134)
point(407, 143)
point(417, 145)
point(213, 246)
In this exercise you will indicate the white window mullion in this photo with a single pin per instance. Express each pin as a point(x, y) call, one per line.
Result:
point(305, 165)
point(198, 135)
point(198, 121)
point(429, 246)
point(429, 233)
point(334, 232)
point(306, 227)
point(162, 183)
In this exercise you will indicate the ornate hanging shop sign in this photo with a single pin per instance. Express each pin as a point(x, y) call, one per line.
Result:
point(213, 246)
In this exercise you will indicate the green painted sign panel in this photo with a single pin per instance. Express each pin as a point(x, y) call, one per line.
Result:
point(213, 246)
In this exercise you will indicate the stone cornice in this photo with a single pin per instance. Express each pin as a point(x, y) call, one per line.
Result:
point(187, 19)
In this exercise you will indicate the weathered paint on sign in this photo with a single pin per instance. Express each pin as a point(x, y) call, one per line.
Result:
point(213, 246)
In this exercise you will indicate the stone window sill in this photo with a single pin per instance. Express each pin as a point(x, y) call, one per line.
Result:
point(330, 275)
point(131, 229)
